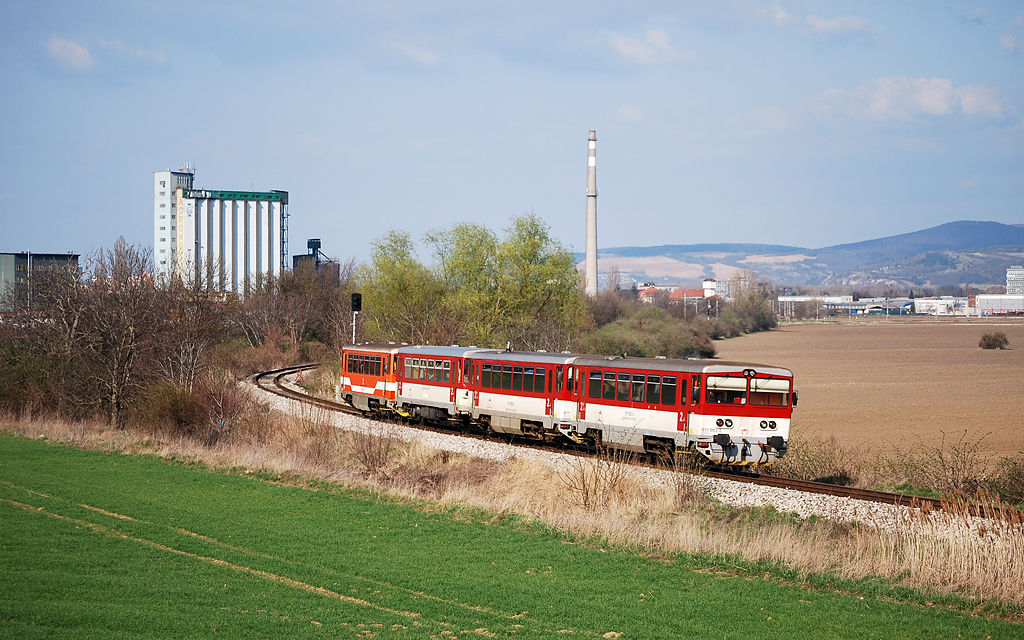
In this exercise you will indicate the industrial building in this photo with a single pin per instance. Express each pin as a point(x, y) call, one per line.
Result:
point(317, 261)
point(229, 240)
point(1015, 281)
point(20, 274)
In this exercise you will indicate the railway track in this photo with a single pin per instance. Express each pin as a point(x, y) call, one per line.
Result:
point(273, 381)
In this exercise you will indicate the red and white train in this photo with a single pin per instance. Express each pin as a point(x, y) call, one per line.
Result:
point(731, 413)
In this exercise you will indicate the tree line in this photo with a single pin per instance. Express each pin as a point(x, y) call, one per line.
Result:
point(113, 343)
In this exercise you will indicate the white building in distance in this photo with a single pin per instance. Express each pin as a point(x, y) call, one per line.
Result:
point(229, 240)
point(1015, 280)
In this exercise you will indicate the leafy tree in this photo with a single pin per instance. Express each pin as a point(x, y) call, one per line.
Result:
point(523, 289)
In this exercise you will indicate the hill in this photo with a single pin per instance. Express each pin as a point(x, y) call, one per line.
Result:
point(955, 253)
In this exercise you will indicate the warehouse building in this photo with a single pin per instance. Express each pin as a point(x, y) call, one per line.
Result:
point(20, 275)
point(230, 240)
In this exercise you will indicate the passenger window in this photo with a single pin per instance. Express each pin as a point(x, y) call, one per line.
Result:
point(668, 390)
point(408, 368)
point(595, 384)
point(517, 378)
point(623, 388)
point(423, 369)
point(638, 387)
point(538, 381)
point(446, 375)
point(485, 376)
point(430, 370)
point(609, 385)
point(653, 389)
point(528, 379)
point(506, 377)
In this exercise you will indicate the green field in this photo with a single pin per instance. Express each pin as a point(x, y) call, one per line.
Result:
point(96, 545)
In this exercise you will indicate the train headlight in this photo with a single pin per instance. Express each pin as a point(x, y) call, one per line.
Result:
point(719, 422)
point(728, 422)
point(764, 424)
point(772, 425)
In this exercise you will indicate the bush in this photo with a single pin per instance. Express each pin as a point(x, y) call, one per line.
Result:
point(994, 340)
point(647, 333)
point(164, 406)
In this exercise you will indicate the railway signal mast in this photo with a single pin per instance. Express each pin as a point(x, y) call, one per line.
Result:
point(357, 306)
point(590, 273)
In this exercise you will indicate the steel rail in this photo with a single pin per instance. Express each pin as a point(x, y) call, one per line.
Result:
point(278, 387)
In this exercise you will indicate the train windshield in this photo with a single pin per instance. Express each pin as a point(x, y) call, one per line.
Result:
point(771, 392)
point(764, 392)
point(727, 390)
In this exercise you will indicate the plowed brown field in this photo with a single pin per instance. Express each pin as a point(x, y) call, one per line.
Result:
point(882, 384)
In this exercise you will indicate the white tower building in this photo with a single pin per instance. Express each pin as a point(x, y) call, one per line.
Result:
point(165, 189)
point(229, 240)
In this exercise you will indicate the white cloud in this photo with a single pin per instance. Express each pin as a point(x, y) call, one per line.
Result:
point(627, 113)
point(780, 17)
point(842, 24)
point(1010, 44)
point(979, 100)
point(655, 49)
point(69, 54)
point(1018, 20)
point(420, 56)
point(121, 49)
point(907, 98)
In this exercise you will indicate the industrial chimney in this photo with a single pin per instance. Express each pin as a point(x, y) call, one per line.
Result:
point(590, 273)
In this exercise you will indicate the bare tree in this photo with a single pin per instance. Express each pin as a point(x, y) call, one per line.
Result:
point(123, 321)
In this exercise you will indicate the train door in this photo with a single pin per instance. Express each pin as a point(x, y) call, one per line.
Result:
point(577, 393)
point(463, 394)
point(684, 408)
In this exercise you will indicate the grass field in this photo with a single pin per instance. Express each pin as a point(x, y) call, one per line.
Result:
point(99, 545)
point(895, 385)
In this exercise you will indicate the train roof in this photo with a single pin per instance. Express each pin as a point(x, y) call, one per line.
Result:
point(543, 357)
point(691, 366)
point(375, 347)
point(453, 351)
point(582, 360)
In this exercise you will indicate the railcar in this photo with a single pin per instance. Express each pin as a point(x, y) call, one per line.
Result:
point(729, 413)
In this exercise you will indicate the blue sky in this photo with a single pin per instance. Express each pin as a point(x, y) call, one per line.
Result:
point(800, 123)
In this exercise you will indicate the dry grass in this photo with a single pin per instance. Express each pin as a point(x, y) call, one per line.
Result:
point(600, 500)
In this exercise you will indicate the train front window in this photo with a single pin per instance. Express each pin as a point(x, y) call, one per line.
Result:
point(727, 390)
point(638, 387)
point(769, 392)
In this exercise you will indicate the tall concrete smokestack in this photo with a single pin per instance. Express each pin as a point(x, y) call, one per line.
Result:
point(590, 274)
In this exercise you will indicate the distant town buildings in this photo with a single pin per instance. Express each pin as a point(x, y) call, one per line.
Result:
point(228, 240)
point(20, 274)
point(1015, 280)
